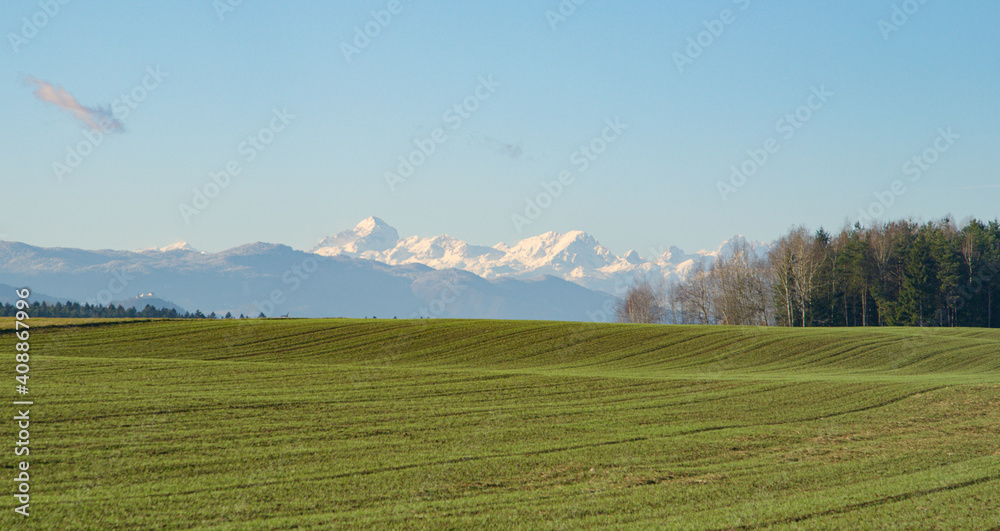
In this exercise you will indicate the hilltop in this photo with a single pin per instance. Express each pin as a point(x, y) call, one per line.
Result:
point(398, 423)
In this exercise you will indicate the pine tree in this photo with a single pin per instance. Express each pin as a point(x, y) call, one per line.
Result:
point(917, 295)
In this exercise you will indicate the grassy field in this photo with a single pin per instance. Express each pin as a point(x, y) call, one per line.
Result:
point(487, 424)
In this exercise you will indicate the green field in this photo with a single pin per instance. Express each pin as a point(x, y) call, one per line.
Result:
point(499, 424)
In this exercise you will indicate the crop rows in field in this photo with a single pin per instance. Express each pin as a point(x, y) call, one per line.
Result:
point(470, 423)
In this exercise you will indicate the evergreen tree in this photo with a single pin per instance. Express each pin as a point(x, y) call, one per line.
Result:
point(916, 297)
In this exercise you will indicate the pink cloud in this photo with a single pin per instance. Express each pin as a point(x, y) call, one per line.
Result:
point(95, 118)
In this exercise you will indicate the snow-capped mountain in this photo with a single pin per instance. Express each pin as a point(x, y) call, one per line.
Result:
point(574, 256)
point(278, 280)
point(372, 235)
point(369, 270)
point(179, 246)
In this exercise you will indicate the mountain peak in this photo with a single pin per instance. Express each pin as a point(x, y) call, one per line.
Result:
point(573, 255)
point(371, 234)
point(738, 240)
point(372, 225)
point(179, 246)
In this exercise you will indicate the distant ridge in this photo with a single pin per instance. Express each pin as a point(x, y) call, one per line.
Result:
point(277, 280)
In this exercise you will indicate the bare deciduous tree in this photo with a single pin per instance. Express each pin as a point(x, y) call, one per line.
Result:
point(642, 303)
point(741, 287)
point(780, 262)
point(806, 260)
point(736, 289)
point(693, 297)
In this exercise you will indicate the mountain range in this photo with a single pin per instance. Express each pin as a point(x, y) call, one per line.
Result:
point(366, 271)
point(574, 256)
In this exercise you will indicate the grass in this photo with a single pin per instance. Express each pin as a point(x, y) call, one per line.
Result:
point(480, 424)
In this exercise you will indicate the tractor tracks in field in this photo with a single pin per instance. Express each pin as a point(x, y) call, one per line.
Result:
point(414, 466)
point(639, 439)
point(871, 503)
point(84, 325)
point(882, 404)
point(696, 431)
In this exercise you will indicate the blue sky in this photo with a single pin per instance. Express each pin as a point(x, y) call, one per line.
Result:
point(330, 124)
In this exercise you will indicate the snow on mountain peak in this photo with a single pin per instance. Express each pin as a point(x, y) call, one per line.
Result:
point(556, 253)
point(371, 225)
point(179, 246)
point(575, 255)
point(370, 235)
point(759, 248)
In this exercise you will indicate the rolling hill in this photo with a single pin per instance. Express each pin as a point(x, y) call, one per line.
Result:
point(441, 423)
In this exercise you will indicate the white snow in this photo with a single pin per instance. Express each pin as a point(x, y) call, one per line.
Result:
point(179, 246)
point(574, 256)
point(371, 234)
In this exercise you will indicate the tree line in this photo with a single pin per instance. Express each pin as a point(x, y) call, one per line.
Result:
point(891, 274)
point(71, 309)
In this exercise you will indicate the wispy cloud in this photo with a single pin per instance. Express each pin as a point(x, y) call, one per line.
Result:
point(96, 118)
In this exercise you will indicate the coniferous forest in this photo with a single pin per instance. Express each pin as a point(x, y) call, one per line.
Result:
point(891, 274)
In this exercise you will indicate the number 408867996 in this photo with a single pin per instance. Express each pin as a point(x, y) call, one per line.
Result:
point(21, 331)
